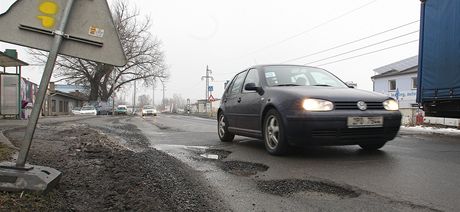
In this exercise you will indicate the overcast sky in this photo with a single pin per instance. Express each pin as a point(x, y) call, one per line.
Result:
point(230, 36)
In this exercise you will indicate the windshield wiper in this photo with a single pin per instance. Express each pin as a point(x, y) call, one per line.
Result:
point(287, 85)
point(324, 85)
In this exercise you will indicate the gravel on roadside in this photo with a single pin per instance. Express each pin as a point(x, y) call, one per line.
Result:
point(101, 175)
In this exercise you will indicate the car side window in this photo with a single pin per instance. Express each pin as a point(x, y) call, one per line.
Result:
point(252, 77)
point(238, 83)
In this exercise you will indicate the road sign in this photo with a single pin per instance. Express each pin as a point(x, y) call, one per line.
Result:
point(211, 98)
point(90, 33)
point(44, 24)
point(210, 88)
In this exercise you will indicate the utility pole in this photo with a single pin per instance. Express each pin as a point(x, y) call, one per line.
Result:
point(207, 77)
point(134, 97)
point(163, 100)
point(153, 93)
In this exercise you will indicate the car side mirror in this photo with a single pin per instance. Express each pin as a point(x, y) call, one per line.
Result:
point(252, 87)
point(351, 84)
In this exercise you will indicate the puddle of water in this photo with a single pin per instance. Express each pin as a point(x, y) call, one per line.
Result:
point(210, 156)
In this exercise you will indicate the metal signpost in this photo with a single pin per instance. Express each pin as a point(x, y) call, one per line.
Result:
point(83, 28)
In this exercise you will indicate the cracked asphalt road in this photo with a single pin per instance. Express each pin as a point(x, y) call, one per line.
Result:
point(414, 172)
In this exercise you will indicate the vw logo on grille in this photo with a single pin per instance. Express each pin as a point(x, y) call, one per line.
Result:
point(362, 105)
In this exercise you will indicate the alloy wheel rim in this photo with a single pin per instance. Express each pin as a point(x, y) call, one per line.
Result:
point(272, 132)
point(221, 126)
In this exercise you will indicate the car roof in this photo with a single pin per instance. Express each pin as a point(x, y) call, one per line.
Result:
point(265, 65)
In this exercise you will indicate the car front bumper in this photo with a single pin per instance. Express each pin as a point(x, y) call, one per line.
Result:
point(330, 128)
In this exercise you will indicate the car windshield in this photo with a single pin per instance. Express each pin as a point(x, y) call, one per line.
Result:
point(300, 76)
point(87, 108)
point(76, 108)
point(148, 107)
point(121, 108)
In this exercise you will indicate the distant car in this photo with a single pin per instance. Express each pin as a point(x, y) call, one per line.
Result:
point(88, 110)
point(289, 105)
point(149, 110)
point(76, 110)
point(121, 110)
point(104, 110)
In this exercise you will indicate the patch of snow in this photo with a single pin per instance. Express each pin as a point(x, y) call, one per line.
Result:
point(431, 130)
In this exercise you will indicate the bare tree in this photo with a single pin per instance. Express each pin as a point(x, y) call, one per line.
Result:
point(179, 101)
point(144, 100)
point(142, 49)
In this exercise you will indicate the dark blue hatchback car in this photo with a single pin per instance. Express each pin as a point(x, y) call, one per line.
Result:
point(290, 105)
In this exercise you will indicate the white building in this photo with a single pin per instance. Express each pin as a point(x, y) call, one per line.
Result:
point(398, 77)
point(399, 80)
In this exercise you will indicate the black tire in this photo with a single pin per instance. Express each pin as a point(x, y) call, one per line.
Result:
point(222, 129)
point(274, 135)
point(372, 146)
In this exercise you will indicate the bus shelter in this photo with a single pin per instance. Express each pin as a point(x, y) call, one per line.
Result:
point(10, 84)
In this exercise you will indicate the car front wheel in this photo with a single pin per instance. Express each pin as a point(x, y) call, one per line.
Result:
point(274, 138)
point(222, 129)
point(372, 146)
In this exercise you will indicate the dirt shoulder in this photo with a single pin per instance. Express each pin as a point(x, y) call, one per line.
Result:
point(100, 174)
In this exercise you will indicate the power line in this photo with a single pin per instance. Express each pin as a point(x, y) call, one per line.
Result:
point(364, 47)
point(351, 42)
point(372, 52)
point(315, 27)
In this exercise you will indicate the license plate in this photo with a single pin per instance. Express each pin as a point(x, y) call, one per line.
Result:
point(361, 122)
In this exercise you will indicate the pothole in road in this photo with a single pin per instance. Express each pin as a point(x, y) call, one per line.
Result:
point(165, 128)
point(306, 188)
point(241, 168)
point(216, 154)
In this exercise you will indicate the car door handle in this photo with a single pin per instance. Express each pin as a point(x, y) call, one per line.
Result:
point(239, 100)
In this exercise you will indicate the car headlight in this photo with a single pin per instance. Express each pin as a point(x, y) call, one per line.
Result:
point(391, 104)
point(317, 105)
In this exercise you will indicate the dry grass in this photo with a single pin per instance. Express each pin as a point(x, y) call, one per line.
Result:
point(25, 201)
point(5, 152)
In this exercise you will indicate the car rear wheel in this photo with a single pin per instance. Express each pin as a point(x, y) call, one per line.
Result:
point(372, 146)
point(274, 138)
point(222, 129)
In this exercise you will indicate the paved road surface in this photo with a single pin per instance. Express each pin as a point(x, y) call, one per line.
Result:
point(415, 171)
